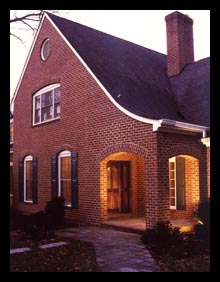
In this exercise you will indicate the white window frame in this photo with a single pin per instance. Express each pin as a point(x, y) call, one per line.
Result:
point(28, 158)
point(60, 156)
point(42, 49)
point(40, 93)
point(173, 207)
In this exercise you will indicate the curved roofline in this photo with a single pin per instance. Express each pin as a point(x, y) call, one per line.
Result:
point(128, 113)
point(156, 123)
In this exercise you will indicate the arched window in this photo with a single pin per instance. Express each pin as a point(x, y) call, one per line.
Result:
point(46, 104)
point(28, 179)
point(64, 177)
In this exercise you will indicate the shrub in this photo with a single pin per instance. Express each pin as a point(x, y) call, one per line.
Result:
point(202, 230)
point(163, 235)
point(41, 224)
point(55, 210)
point(204, 212)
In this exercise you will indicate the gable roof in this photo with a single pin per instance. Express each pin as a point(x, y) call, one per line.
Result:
point(134, 76)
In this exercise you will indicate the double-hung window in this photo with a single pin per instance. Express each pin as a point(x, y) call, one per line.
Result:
point(27, 179)
point(65, 180)
point(64, 177)
point(177, 183)
point(46, 104)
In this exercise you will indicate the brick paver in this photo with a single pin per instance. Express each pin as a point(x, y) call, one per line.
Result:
point(116, 251)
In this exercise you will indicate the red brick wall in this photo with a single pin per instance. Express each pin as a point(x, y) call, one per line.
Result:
point(84, 127)
point(92, 126)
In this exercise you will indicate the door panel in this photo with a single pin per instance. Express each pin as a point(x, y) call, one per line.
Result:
point(118, 186)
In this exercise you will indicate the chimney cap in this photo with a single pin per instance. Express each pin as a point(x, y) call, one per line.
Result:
point(178, 15)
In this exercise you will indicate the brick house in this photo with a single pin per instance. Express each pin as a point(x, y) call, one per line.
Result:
point(115, 128)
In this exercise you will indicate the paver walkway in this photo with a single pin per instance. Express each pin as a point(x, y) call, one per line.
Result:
point(116, 251)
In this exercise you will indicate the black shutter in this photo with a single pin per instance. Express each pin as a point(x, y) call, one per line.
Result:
point(74, 174)
point(180, 183)
point(21, 180)
point(54, 190)
point(35, 180)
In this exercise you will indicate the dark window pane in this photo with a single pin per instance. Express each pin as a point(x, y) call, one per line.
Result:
point(56, 110)
point(46, 49)
point(46, 113)
point(37, 116)
point(57, 95)
point(37, 103)
point(46, 99)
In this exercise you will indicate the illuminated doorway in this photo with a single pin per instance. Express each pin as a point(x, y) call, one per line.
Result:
point(118, 187)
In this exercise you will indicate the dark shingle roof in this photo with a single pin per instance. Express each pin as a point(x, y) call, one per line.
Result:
point(135, 76)
point(192, 90)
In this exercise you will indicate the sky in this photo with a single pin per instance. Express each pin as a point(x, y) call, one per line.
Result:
point(144, 27)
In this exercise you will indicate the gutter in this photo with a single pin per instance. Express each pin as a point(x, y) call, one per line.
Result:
point(172, 125)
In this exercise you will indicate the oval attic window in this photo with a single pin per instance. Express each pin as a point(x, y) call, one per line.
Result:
point(45, 49)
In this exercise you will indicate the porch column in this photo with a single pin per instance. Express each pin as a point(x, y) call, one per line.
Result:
point(157, 191)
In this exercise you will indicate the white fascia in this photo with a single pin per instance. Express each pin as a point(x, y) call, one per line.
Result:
point(182, 126)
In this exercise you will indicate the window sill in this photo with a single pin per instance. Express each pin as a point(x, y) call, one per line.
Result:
point(46, 122)
point(28, 202)
point(71, 208)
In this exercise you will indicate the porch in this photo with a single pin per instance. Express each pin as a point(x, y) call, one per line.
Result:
point(139, 223)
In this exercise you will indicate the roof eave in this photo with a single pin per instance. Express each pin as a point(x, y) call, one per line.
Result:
point(172, 126)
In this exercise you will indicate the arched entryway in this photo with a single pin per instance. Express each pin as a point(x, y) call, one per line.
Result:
point(122, 186)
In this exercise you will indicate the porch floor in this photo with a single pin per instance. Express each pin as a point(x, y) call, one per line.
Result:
point(139, 224)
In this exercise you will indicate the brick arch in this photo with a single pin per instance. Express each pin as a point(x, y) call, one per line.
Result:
point(63, 147)
point(27, 153)
point(123, 147)
point(46, 83)
point(183, 150)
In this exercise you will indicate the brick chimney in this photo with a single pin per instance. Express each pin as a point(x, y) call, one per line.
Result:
point(180, 49)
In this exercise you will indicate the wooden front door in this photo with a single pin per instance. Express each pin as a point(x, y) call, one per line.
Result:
point(118, 186)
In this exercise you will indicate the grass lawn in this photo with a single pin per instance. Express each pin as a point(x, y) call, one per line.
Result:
point(76, 256)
